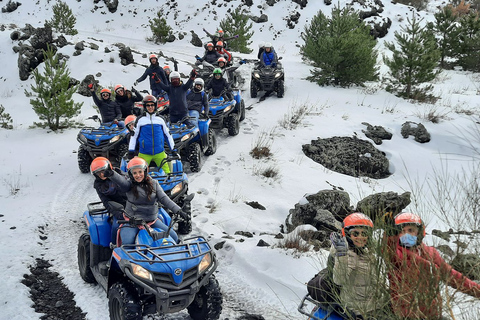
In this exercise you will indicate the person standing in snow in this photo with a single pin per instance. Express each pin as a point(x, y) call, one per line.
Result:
point(219, 36)
point(143, 196)
point(109, 110)
point(126, 100)
point(151, 134)
point(155, 73)
point(416, 270)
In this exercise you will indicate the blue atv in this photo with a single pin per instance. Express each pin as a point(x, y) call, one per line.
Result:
point(227, 114)
point(155, 275)
point(175, 185)
point(108, 140)
point(191, 142)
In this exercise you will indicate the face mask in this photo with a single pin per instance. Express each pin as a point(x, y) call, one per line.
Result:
point(407, 240)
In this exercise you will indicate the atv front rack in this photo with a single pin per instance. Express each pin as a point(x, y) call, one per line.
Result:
point(171, 177)
point(194, 248)
point(101, 131)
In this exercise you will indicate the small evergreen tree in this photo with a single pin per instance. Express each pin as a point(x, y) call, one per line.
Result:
point(54, 103)
point(414, 62)
point(162, 32)
point(447, 32)
point(63, 19)
point(468, 52)
point(236, 23)
point(5, 119)
point(341, 49)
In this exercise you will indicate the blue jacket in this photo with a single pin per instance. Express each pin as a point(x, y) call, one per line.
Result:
point(177, 96)
point(151, 133)
point(268, 58)
point(156, 74)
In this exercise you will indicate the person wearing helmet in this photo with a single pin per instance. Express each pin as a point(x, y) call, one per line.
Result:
point(130, 123)
point(357, 270)
point(219, 86)
point(197, 101)
point(219, 36)
point(109, 110)
point(220, 48)
point(126, 100)
point(269, 56)
point(415, 272)
point(156, 75)
point(177, 93)
point(143, 196)
point(210, 55)
point(108, 191)
point(261, 49)
point(151, 134)
point(222, 63)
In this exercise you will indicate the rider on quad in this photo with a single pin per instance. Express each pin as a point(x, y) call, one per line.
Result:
point(126, 99)
point(156, 75)
point(109, 110)
point(211, 55)
point(197, 101)
point(219, 47)
point(220, 36)
point(269, 57)
point(219, 86)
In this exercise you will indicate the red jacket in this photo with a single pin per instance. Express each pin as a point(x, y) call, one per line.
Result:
point(415, 276)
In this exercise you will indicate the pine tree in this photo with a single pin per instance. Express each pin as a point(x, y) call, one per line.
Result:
point(236, 23)
point(5, 119)
point(414, 62)
point(162, 32)
point(54, 103)
point(447, 31)
point(468, 52)
point(341, 49)
point(63, 19)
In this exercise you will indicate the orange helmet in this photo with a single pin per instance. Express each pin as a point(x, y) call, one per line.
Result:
point(166, 68)
point(99, 164)
point(136, 163)
point(220, 31)
point(131, 118)
point(153, 56)
point(209, 44)
point(119, 86)
point(356, 219)
point(222, 59)
point(409, 218)
point(105, 90)
point(220, 44)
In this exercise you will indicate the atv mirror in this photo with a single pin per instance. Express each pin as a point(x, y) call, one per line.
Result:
point(280, 58)
point(95, 117)
point(115, 206)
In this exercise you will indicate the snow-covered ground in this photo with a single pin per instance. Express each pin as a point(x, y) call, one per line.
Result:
point(269, 281)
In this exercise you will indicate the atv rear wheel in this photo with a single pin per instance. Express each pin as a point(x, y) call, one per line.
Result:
point(212, 143)
point(241, 112)
point(194, 157)
point(84, 160)
point(83, 257)
point(280, 88)
point(207, 304)
point(233, 124)
point(123, 303)
point(253, 89)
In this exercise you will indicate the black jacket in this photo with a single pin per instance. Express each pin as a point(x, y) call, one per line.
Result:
point(211, 56)
point(109, 109)
point(218, 86)
point(107, 191)
point(198, 101)
point(156, 74)
point(127, 101)
point(177, 96)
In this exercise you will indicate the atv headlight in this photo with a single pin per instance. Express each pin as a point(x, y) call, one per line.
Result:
point(141, 272)
point(256, 75)
point(205, 263)
point(185, 137)
point(114, 139)
point(278, 75)
point(228, 108)
point(177, 188)
point(82, 138)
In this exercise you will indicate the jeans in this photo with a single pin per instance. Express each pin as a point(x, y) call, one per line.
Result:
point(194, 115)
point(128, 233)
point(115, 226)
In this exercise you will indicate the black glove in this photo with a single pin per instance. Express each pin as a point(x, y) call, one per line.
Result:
point(131, 155)
point(193, 73)
point(108, 173)
point(340, 244)
point(135, 83)
point(183, 215)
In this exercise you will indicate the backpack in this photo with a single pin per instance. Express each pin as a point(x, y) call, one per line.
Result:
point(321, 287)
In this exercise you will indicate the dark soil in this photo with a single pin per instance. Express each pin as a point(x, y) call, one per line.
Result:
point(49, 295)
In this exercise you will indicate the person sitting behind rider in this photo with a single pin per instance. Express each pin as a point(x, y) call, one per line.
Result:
point(143, 196)
point(221, 50)
point(126, 100)
point(109, 110)
point(219, 86)
point(197, 101)
point(151, 133)
point(357, 271)
point(269, 57)
point(155, 74)
point(108, 191)
point(210, 55)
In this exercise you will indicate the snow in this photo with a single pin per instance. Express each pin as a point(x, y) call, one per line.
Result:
point(52, 193)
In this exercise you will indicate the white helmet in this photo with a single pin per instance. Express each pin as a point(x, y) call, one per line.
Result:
point(174, 74)
point(199, 81)
point(267, 45)
point(261, 44)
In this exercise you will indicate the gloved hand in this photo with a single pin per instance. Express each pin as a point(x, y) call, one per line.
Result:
point(135, 83)
point(90, 86)
point(243, 61)
point(236, 36)
point(274, 65)
point(193, 73)
point(108, 173)
point(115, 121)
point(340, 244)
point(134, 90)
point(183, 215)
point(131, 155)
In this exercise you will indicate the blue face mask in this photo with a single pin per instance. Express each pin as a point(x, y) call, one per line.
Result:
point(407, 240)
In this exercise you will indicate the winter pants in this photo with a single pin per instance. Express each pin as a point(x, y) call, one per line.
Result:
point(157, 158)
point(175, 118)
point(194, 115)
point(128, 233)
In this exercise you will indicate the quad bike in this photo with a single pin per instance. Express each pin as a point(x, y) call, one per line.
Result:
point(108, 140)
point(191, 142)
point(205, 70)
point(267, 79)
point(175, 185)
point(227, 114)
point(155, 275)
point(325, 311)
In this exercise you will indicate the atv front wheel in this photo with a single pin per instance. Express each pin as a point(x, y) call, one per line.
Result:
point(253, 89)
point(83, 257)
point(194, 157)
point(280, 88)
point(207, 304)
point(84, 160)
point(233, 124)
point(241, 112)
point(212, 143)
point(120, 153)
point(123, 303)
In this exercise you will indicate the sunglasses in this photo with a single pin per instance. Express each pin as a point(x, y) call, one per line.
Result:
point(150, 105)
point(356, 233)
